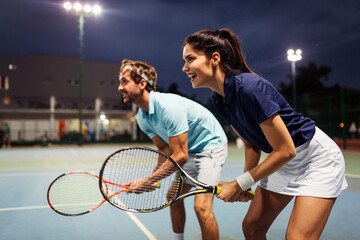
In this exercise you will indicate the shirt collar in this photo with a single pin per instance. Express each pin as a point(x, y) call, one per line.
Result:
point(151, 102)
point(228, 90)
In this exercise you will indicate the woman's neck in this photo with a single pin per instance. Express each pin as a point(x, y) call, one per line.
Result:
point(218, 83)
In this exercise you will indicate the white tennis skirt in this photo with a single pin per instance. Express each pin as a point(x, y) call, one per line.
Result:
point(318, 170)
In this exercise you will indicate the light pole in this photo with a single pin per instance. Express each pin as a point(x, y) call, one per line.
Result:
point(294, 56)
point(82, 11)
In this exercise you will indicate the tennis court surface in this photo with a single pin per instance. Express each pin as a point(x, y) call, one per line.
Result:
point(25, 174)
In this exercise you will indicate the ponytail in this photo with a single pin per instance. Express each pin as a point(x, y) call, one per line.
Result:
point(225, 42)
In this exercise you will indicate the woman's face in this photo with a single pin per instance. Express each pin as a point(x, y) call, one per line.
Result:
point(197, 66)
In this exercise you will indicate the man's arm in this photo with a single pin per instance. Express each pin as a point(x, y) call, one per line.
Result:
point(178, 152)
point(161, 145)
point(179, 148)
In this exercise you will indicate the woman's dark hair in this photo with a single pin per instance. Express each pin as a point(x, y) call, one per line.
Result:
point(225, 42)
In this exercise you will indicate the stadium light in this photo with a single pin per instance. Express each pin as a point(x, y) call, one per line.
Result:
point(81, 10)
point(294, 56)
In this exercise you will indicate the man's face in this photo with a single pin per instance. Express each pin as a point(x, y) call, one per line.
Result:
point(128, 88)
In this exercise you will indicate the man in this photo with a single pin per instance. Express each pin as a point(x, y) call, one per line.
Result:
point(7, 141)
point(184, 130)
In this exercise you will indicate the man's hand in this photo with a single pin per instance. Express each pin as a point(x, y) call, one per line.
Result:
point(141, 185)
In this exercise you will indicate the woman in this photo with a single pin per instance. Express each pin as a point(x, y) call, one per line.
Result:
point(302, 162)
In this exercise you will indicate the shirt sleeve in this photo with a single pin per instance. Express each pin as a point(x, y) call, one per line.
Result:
point(260, 101)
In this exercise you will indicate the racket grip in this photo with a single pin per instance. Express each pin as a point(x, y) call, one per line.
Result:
point(157, 184)
point(252, 194)
point(218, 190)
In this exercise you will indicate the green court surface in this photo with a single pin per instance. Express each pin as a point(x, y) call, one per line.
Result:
point(352, 161)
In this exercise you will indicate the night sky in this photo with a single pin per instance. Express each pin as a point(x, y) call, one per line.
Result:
point(327, 31)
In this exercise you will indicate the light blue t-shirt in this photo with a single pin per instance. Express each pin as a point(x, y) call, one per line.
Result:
point(171, 115)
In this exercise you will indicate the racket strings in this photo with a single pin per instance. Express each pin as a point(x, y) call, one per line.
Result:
point(75, 193)
point(132, 166)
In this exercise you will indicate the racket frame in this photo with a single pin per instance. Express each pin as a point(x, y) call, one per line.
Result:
point(104, 183)
point(177, 197)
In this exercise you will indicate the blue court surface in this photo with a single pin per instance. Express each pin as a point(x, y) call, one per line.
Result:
point(25, 174)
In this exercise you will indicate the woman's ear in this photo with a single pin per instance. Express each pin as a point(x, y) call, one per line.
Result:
point(215, 59)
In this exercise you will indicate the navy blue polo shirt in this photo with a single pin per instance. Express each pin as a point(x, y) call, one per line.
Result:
point(250, 100)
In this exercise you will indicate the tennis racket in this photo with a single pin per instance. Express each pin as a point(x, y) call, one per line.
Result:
point(77, 193)
point(139, 168)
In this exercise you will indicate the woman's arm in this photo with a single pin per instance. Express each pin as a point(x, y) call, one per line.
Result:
point(282, 144)
point(284, 150)
point(252, 153)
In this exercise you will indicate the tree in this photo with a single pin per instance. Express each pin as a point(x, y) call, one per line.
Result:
point(308, 79)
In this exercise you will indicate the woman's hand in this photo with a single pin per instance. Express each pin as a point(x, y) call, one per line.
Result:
point(231, 192)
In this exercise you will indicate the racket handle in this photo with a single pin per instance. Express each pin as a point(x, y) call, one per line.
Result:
point(252, 194)
point(157, 184)
point(218, 190)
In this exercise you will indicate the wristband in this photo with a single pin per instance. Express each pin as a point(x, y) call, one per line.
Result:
point(245, 181)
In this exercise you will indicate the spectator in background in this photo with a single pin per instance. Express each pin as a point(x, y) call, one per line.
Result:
point(7, 142)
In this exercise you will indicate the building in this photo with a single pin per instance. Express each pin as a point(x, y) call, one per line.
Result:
point(40, 96)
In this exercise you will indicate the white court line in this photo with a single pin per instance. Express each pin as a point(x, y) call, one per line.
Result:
point(352, 175)
point(28, 174)
point(23, 208)
point(73, 152)
point(39, 172)
point(131, 216)
point(141, 226)
point(134, 219)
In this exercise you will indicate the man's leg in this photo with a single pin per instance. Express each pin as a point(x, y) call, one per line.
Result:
point(204, 212)
point(178, 216)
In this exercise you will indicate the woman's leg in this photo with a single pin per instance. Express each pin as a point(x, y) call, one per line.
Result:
point(309, 217)
point(262, 212)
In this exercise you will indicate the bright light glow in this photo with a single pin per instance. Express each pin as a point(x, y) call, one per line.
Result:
point(294, 56)
point(6, 100)
point(96, 9)
point(12, 67)
point(67, 6)
point(77, 7)
point(87, 8)
point(102, 117)
point(106, 121)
